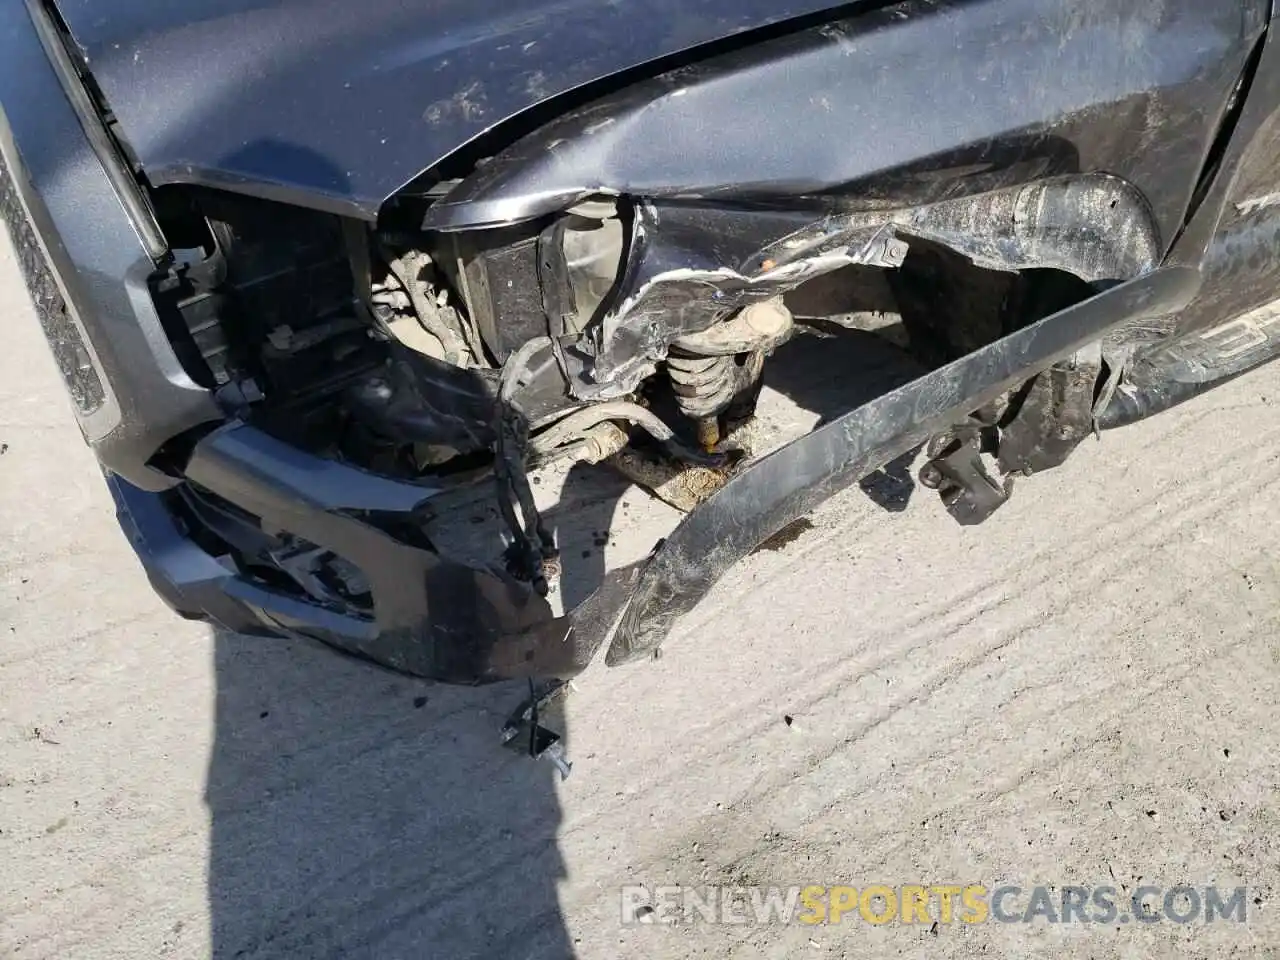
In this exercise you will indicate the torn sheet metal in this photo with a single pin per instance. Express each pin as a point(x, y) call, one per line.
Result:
point(669, 301)
point(1096, 227)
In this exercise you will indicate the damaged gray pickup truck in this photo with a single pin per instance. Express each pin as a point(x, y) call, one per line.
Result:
point(334, 285)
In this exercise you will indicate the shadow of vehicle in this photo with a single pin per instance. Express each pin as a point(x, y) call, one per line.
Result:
point(357, 813)
point(360, 813)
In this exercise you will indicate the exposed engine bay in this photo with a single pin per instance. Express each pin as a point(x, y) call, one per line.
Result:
point(628, 335)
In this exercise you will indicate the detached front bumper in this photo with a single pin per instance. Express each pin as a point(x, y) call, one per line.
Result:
point(87, 269)
point(436, 617)
point(426, 615)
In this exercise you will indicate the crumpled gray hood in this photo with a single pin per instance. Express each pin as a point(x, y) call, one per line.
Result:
point(338, 103)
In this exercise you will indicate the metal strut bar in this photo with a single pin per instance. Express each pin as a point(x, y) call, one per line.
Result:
point(790, 482)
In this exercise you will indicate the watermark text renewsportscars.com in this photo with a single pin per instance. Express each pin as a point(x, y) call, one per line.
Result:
point(971, 903)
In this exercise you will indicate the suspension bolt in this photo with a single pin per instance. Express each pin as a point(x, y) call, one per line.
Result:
point(709, 433)
point(930, 476)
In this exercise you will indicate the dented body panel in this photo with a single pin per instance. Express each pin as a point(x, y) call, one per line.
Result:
point(1013, 91)
point(341, 104)
point(338, 104)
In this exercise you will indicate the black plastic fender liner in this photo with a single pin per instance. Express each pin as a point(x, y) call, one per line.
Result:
point(790, 482)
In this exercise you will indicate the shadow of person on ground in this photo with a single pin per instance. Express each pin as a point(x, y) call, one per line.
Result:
point(358, 813)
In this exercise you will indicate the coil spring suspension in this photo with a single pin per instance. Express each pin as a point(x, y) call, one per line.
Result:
point(703, 386)
point(714, 370)
point(706, 387)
